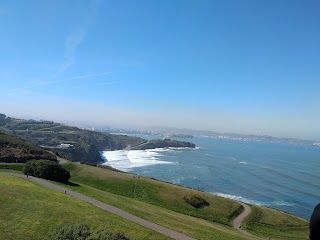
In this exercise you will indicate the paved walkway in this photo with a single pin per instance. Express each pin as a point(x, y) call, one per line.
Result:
point(165, 231)
point(238, 220)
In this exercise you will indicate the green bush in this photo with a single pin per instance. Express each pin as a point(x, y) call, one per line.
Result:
point(106, 235)
point(82, 232)
point(196, 201)
point(70, 232)
point(46, 169)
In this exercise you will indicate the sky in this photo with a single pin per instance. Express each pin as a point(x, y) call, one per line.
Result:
point(245, 66)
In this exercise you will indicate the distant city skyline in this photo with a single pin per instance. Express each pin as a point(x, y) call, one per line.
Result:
point(249, 67)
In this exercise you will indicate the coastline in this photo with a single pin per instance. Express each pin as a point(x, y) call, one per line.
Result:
point(224, 173)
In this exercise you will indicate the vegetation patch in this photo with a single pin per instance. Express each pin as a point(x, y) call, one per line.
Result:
point(46, 169)
point(196, 201)
point(16, 150)
point(83, 232)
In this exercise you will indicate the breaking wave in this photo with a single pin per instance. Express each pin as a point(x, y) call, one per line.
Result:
point(126, 160)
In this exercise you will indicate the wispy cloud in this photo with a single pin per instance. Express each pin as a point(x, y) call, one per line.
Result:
point(34, 84)
point(71, 44)
point(76, 37)
point(90, 75)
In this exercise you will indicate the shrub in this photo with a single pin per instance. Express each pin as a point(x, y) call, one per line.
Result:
point(46, 169)
point(70, 232)
point(106, 235)
point(82, 232)
point(196, 201)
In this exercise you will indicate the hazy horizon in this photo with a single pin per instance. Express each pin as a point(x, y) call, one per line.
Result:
point(226, 66)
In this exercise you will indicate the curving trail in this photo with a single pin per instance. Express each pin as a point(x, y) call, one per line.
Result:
point(238, 220)
point(165, 231)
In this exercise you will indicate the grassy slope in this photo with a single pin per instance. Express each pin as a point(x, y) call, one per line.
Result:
point(263, 221)
point(269, 222)
point(14, 167)
point(158, 193)
point(266, 222)
point(30, 211)
point(191, 226)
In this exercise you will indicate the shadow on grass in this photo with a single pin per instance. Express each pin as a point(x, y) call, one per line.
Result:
point(72, 184)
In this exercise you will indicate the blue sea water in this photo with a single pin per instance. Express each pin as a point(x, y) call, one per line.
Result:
point(281, 176)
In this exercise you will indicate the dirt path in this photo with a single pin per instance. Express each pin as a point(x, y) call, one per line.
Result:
point(238, 220)
point(165, 231)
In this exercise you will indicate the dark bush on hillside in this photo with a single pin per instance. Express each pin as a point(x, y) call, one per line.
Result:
point(106, 235)
point(83, 232)
point(70, 232)
point(46, 169)
point(196, 201)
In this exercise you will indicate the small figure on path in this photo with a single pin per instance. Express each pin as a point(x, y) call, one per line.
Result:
point(65, 192)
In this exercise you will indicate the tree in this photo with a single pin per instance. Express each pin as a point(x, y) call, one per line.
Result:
point(46, 169)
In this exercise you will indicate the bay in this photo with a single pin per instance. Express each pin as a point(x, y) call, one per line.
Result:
point(281, 176)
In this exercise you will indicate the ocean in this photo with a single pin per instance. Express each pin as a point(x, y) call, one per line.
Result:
point(281, 176)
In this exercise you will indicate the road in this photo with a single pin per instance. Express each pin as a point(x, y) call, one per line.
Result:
point(238, 220)
point(165, 231)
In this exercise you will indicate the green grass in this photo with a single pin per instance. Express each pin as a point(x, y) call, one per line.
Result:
point(191, 226)
point(11, 166)
point(158, 193)
point(262, 222)
point(266, 222)
point(30, 211)
point(68, 132)
point(163, 203)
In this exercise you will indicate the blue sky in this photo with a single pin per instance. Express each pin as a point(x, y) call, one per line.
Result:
point(227, 66)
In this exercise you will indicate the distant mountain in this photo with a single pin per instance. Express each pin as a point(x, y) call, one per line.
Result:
point(16, 150)
point(175, 132)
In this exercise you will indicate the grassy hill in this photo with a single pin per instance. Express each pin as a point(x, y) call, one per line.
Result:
point(14, 149)
point(283, 225)
point(164, 204)
point(30, 211)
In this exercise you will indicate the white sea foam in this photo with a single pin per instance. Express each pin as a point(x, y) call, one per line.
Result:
point(282, 203)
point(245, 200)
point(239, 198)
point(243, 162)
point(125, 160)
